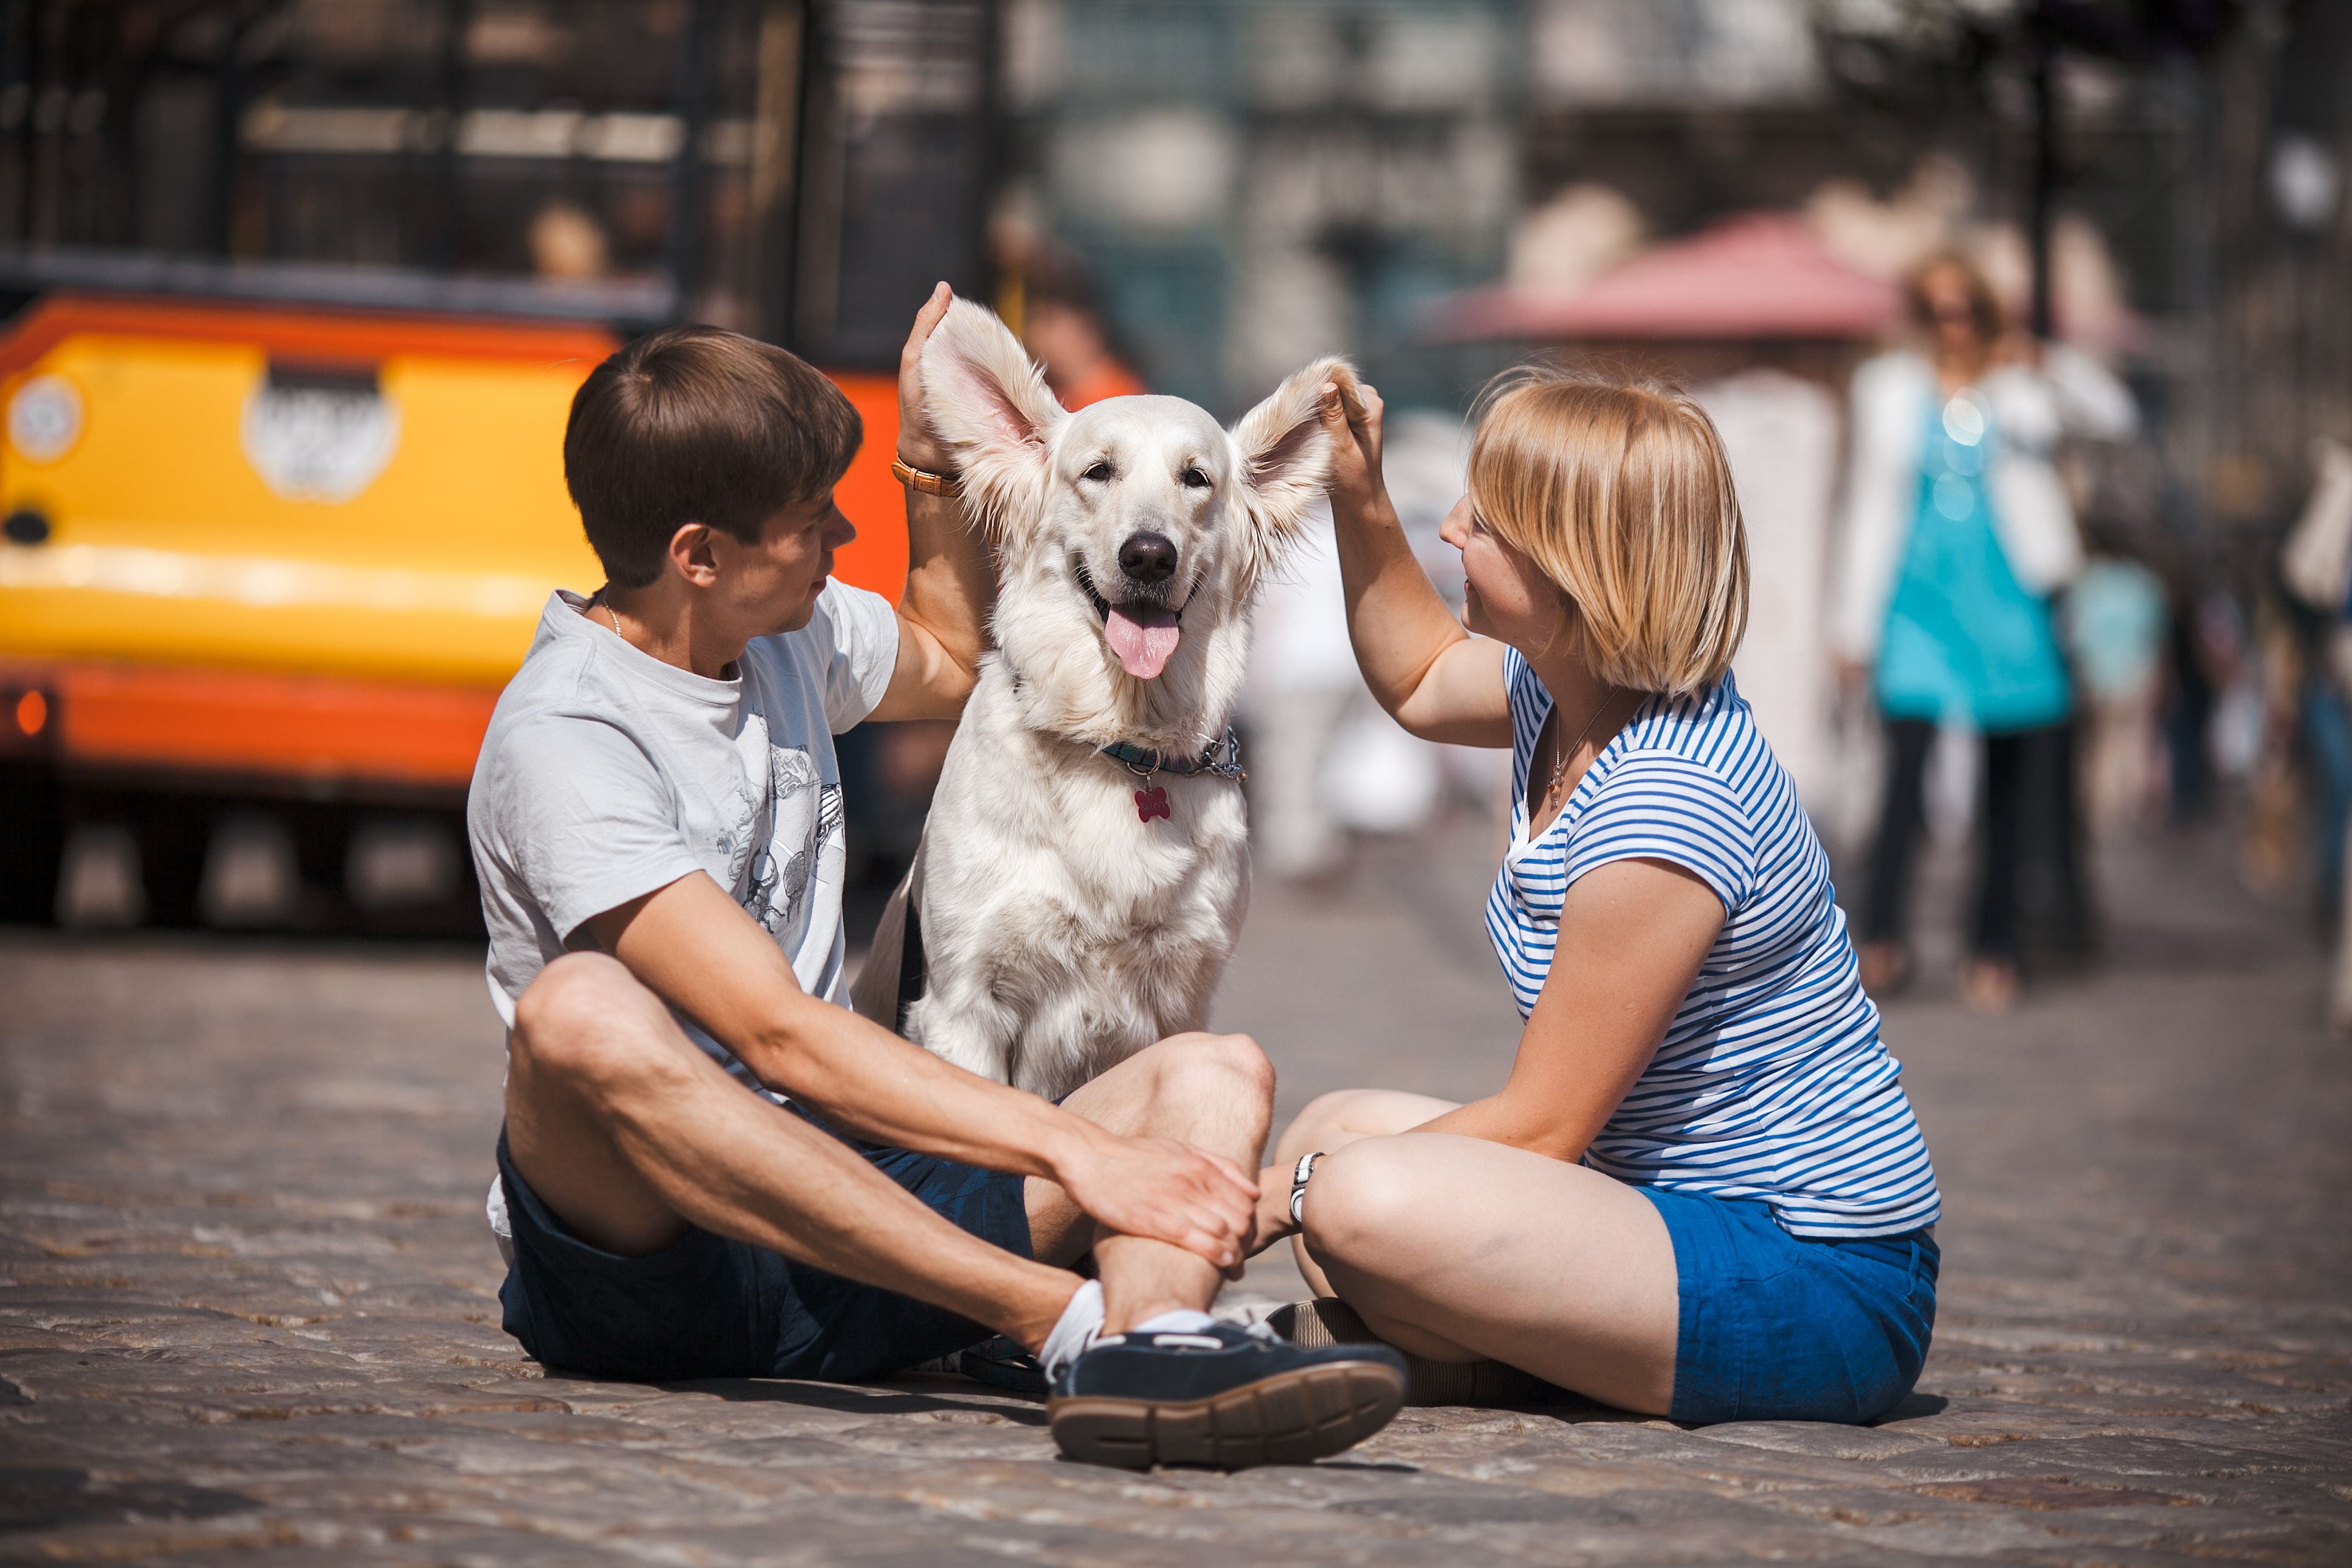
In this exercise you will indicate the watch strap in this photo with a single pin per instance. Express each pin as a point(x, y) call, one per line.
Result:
point(923, 479)
point(1298, 1179)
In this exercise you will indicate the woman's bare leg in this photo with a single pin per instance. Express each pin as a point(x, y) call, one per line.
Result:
point(1332, 1121)
point(1447, 1245)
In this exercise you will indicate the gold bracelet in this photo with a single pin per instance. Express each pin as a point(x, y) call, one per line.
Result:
point(930, 484)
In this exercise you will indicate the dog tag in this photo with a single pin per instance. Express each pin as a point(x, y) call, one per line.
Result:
point(1151, 803)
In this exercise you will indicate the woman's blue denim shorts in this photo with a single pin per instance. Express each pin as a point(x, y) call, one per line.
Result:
point(1779, 1328)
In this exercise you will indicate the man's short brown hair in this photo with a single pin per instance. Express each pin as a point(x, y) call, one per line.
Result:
point(698, 424)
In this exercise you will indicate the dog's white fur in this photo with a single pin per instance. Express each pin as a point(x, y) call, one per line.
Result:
point(1061, 932)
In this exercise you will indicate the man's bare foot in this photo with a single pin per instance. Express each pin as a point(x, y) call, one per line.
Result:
point(1886, 967)
point(1989, 985)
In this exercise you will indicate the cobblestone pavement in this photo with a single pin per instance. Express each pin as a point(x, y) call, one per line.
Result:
point(246, 1303)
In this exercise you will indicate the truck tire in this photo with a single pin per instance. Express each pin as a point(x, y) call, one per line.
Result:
point(321, 832)
point(32, 843)
point(176, 836)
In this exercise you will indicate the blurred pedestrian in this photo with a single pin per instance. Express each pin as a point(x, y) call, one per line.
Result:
point(1327, 764)
point(1064, 328)
point(1781, 433)
point(2113, 621)
point(1958, 530)
point(568, 243)
point(2316, 565)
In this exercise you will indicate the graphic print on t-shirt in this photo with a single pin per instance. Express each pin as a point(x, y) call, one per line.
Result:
point(805, 814)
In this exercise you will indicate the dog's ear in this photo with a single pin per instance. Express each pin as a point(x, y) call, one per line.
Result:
point(1286, 455)
point(990, 404)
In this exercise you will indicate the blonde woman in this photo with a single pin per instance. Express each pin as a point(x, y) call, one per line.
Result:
point(1700, 1192)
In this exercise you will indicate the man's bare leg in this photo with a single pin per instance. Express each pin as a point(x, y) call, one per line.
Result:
point(629, 1132)
point(1246, 1400)
point(1213, 1091)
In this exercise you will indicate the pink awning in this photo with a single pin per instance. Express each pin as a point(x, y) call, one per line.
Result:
point(1762, 275)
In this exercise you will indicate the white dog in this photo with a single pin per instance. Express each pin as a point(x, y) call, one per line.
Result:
point(1083, 873)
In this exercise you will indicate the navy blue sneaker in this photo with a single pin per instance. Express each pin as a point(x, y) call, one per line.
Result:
point(1226, 1397)
point(1002, 1362)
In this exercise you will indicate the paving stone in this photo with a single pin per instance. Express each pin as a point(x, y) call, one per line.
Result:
point(248, 1308)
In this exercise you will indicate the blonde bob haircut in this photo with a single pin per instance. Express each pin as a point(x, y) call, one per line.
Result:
point(1622, 495)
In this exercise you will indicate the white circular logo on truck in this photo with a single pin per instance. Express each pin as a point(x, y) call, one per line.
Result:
point(321, 436)
point(45, 419)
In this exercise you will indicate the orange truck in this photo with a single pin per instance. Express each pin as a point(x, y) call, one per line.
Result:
point(285, 556)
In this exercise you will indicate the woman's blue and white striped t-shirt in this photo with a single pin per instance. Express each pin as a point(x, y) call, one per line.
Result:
point(1772, 1083)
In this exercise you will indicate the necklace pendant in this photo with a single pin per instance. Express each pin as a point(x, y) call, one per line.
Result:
point(1151, 803)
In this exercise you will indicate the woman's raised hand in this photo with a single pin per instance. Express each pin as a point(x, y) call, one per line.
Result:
point(1405, 636)
point(1352, 415)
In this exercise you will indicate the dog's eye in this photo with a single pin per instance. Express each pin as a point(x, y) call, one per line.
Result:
point(1099, 473)
point(1195, 479)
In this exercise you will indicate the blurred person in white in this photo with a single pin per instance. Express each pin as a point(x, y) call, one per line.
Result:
point(1325, 762)
point(1781, 436)
point(1957, 532)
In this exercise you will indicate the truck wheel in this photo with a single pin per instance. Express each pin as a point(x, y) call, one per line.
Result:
point(176, 836)
point(321, 834)
point(32, 845)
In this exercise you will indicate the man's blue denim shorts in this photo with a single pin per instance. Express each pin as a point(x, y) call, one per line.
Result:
point(706, 1306)
point(1779, 1328)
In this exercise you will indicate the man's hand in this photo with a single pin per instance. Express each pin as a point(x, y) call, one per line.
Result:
point(950, 582)
point(918, 447)
point(1164, 1191)
point(694, 946)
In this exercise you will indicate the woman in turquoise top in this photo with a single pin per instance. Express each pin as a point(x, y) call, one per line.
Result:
point(1959, 534)
point(1964, 639)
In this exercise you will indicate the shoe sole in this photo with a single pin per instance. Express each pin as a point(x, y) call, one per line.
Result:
point(1476, 1384)
point(1291, 1418)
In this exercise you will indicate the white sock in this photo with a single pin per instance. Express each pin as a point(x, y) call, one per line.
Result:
point(1074, 1330)
point(1176, 1321)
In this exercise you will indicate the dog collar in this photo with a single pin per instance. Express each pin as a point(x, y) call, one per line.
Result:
point(1223, 758)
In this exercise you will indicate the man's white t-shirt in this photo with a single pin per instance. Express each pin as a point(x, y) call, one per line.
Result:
point(607, 774)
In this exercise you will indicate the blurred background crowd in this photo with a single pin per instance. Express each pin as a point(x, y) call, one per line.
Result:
point(2027, 325)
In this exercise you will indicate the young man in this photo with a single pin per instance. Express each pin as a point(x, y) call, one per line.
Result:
point(710, 1166)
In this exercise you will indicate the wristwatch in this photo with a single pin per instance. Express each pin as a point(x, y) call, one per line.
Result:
point(923, 479)
point(1298, 1185)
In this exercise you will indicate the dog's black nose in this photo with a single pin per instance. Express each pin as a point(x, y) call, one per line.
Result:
point(1148, 558)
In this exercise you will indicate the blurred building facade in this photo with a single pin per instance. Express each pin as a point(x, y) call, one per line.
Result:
point(791, 169)
point(1258, 183)
point(1240, 186)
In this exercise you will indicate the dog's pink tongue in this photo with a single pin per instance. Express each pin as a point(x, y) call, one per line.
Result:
point(1142, 636)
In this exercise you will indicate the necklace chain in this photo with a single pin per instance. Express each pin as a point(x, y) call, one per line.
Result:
point(1567, 755)
point(598, 599)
